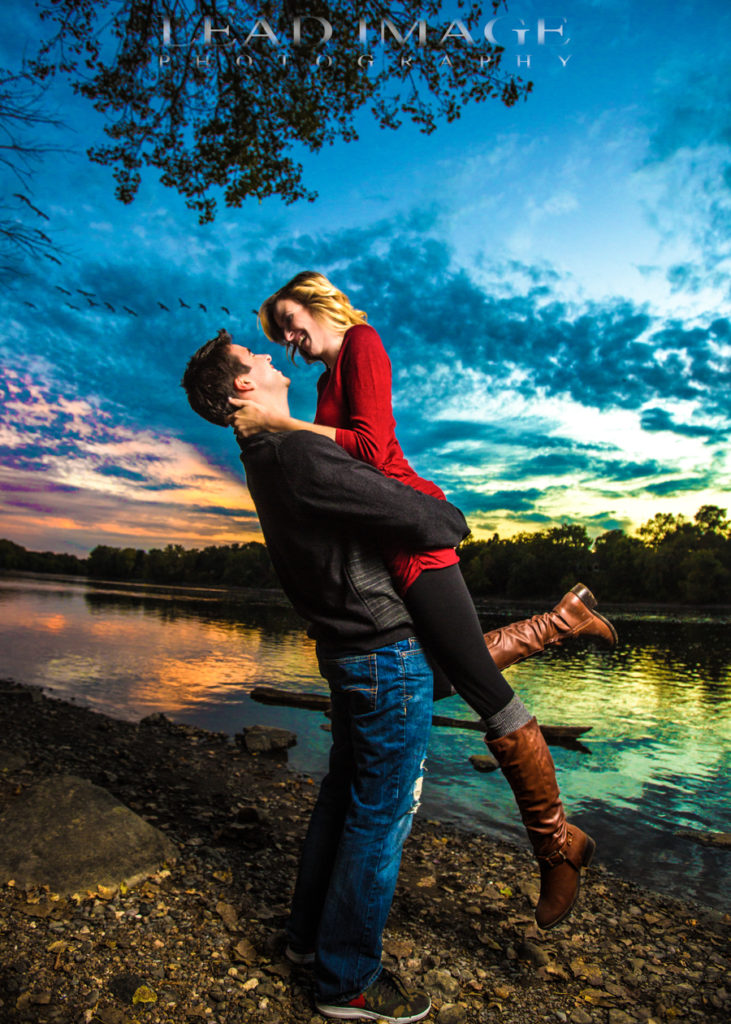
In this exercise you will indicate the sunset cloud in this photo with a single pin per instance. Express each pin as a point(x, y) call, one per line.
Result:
point(550, 281)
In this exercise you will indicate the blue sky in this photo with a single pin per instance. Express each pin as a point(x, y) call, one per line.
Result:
point(551, 282)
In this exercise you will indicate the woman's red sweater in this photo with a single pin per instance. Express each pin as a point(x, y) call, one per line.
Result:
point(355, 398)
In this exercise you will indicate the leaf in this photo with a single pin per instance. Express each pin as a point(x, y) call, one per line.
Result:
point(244, 951)
point(593, 996)
point(144, 994)
point(59, 946)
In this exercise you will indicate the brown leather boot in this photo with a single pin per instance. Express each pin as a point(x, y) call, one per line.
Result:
point(562, 849)
point(574, 615)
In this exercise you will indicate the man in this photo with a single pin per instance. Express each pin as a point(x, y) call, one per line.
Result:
point(324, 517)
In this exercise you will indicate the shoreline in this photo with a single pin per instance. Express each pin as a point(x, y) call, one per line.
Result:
point(204, 935)
point(275, 596)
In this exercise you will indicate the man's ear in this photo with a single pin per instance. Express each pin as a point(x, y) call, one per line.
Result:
point(243, 385)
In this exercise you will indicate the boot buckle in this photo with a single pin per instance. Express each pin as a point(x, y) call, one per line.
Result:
point(554, 859)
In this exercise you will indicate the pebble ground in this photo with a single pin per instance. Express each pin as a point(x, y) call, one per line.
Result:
point(202, 939)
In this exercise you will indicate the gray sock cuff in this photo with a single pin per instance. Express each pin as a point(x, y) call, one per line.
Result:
point(513, 716)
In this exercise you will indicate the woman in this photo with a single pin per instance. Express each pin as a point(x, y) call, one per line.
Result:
point(311, 316)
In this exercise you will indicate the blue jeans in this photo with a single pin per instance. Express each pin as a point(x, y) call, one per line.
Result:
point(381, 718)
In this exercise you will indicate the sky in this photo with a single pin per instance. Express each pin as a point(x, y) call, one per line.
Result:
point(551, 282)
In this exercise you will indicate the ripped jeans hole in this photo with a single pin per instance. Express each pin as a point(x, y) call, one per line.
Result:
point(416, 794)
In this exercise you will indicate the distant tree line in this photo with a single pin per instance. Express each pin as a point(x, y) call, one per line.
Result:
point(672, 559)
point(13, 556)
point(236, 565)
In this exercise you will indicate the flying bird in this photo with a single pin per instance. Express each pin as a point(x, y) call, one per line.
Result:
point(53, 258)
point(28, 203)
point(60, 289)
point(92, 303)
point(110, 306)
point(87, 294)
point(183, 304)
point(201, 306)
point(226, 310)
point(31, 304)
point(71, 305)
point(130, 311)
point(163, 306)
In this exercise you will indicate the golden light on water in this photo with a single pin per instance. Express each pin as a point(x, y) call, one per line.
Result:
point(53, 623)
point(154, 658)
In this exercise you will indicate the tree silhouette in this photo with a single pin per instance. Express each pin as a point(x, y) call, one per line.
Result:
point(21, 117)
point(241, 87)
point(689, 563)
point(711, 520)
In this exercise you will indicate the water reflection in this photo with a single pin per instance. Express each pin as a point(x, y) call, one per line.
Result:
point(134, 652)
point(659, 707)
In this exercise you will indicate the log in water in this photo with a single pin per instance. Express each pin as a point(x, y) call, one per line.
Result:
point(321, 702)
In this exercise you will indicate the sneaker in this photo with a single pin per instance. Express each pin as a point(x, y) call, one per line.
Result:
point(301, 959)
point(384, 999)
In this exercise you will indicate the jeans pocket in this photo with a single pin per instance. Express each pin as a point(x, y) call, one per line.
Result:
point(413, 665)
point(354, 677)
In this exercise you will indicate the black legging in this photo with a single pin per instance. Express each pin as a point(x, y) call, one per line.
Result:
point(447, 625)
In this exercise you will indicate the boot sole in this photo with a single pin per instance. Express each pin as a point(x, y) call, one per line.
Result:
point(585, 862)
point(609, 626)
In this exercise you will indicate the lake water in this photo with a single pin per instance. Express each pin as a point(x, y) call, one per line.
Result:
point(656, 760)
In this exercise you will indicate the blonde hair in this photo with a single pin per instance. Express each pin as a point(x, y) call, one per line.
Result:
point(327, 304)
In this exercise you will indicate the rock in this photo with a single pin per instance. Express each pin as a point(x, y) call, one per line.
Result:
point(441, 982)
point(398, 948)
point(534, 954)
point(248, 816)
point(452, 1013)
point(228, 914)
point(262, 739)
point(111, 1015)
point(580, 1017)
point(620, 1017)
point(72, 836)
point(156, 721)
point(483, 763)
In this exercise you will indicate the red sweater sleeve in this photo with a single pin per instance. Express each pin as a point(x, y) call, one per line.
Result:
point(366, 378)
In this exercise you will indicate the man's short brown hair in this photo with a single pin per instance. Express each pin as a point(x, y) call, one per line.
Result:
point(209, 378)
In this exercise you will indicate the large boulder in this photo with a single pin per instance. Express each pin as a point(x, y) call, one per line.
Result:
point(71, 835)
